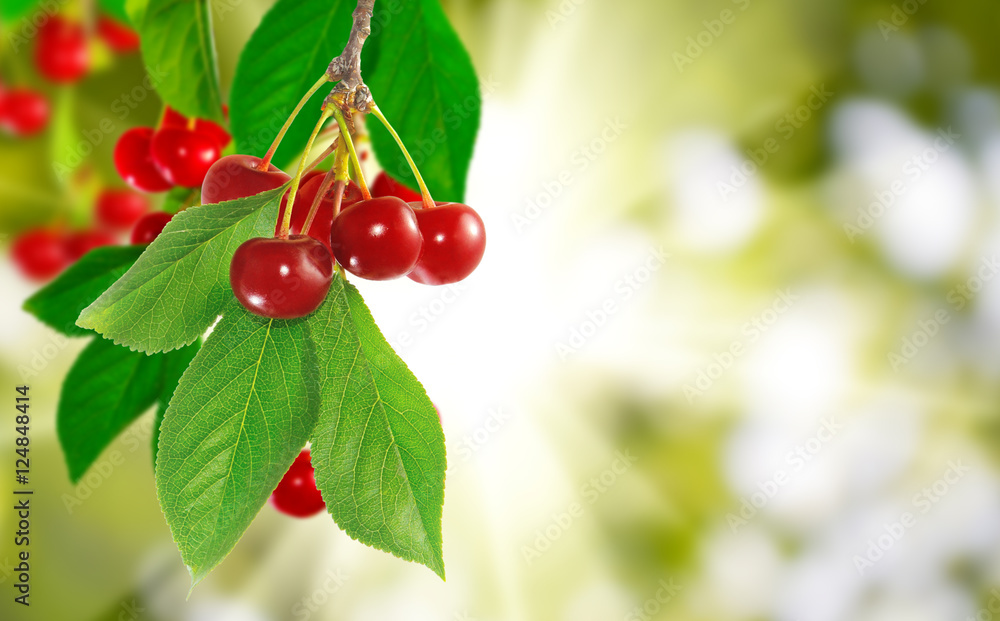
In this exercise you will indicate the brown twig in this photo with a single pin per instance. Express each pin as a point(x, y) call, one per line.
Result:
point(346, 68)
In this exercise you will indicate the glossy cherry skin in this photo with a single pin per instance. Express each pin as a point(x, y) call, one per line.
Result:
point(61, 52)
point(281, 278)
point(183, 156)
point(82, 242)
point(120, 209)
point(296, 494)
point(237, 176)
point(385, 185)
point(40, 254)
point(116, 35)
point(320, 227)
point(149, 227)
point(377, 239)
point(23, 112)
point(454, 243)
point(135, 163)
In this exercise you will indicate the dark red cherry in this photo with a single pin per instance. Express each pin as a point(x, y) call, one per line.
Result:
point(281, 278)
point(385, 185)
point(40, 254)
point(149, 227)
point(183, 156)
point(296, 494)
point(237, 176)
point(377, 239)
point(454, 243)
point(135, 163)
point(80, 243)
point(116, 35)
point(61, 52)
point(120, 209)
point(320, 227)
point(23, 112)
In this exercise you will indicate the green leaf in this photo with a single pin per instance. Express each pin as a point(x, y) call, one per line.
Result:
point(174, 365)
point(240, 415)
point(378, 449)
point(107, 388)
point(135, 9)
point(426, 86)
point(179, 285)
point(59, 303)
point(115, 8)
point(287, 53)
point(13, 9)
point(178, 44)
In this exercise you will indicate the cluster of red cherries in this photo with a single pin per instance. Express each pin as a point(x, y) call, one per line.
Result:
point(143, 158)
point(390, 235)
point(62, 56)
point(177, 154)
point(42, 253)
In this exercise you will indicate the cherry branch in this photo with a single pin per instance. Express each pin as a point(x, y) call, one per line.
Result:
point(346, 68)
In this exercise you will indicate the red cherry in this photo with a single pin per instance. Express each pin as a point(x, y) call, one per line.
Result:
point(149, 227)
point(281, 278)
point(173, 118)
point(209, 129)
point(23, 112)
point(116, 35)
point(120, 209)
point(183, 156)
point(385, 185)
point(214, 131)
point(377, 239)
point(320, 227)
point(296, 494)
point(297, 217)
point(237, 176)
point(135, 163)
point(61, 52)
point(454, 243)
point(82, 242)
point(40, 254)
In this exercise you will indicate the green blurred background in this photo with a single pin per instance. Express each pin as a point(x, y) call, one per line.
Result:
point(731, 354)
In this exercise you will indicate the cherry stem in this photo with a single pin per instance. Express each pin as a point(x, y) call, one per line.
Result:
point(288, 122)
point(286, 225)
point(425, 194)
point(317, 200)
point(338, 172)
point(346, 135)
